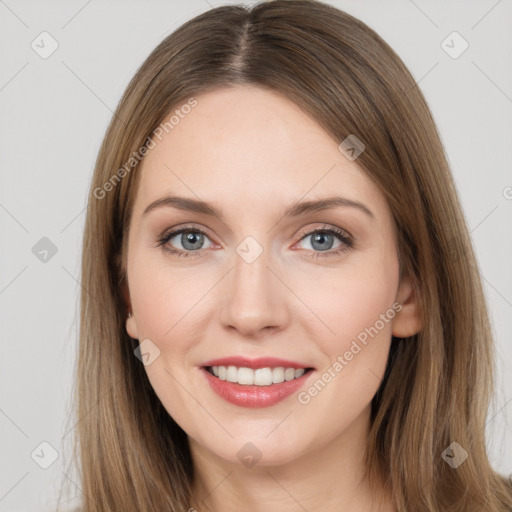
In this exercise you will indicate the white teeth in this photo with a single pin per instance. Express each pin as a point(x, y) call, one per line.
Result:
point(289, 374)
point(259, 377)
point(263, 377)
point(231, 374)
point(277, 375)
point(245, 376)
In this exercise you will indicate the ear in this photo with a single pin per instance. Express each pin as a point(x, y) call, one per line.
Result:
point(408, 321)
point(131, 327)
point(131, 323)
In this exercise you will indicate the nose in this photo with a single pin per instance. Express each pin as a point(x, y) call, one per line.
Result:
point(254, 297)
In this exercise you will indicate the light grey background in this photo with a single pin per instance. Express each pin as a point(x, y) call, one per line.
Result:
point(54, 113)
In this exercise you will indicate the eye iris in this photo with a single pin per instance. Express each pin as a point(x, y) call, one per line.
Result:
point(192, 238)
point(320, 237)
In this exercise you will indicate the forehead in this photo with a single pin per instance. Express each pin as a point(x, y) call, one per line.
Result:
point(249, 146)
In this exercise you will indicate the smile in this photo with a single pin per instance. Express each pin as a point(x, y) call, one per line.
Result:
point(259, 377)
point(255, 382)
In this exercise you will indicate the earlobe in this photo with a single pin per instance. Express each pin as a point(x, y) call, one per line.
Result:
point(408, 320)
point(131, 327)
point(131, 324)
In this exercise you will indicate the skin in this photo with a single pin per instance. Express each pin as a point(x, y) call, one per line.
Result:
point(253, 153)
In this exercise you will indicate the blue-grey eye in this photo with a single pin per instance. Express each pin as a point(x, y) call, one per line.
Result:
point(321, 240)
point(189, 240)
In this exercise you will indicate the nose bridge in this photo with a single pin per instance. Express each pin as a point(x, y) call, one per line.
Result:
point(253, 300)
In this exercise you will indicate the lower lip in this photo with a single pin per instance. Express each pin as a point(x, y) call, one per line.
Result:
point(254, 396)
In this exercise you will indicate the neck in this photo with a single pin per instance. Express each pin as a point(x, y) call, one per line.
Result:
point(331, 478)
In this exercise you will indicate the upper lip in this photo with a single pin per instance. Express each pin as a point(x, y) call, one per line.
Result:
point(260, 362)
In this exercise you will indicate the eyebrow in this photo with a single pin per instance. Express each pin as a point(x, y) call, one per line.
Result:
point(295, 210)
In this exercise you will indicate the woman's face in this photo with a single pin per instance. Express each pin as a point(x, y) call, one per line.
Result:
point(255, 287)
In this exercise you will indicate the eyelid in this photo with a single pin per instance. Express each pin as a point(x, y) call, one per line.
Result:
point(186, 227)
point(324, 227)
point(343, 235)
point(169, 233)
point(302, 233)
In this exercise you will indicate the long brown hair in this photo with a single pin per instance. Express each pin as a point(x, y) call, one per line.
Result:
point(438, 385)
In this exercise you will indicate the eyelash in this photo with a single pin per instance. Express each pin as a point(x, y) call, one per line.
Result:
point(347, 241)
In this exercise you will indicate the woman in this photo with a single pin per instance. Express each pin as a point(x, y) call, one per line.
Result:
point(281, 308)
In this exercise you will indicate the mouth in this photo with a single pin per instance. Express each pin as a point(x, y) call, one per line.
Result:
point(255, 383)
point(266, 376)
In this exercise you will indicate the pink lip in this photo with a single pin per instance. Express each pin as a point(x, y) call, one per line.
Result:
point(254, 396)
point(260, 362)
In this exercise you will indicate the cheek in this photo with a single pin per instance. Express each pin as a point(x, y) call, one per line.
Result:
point(160, 296)
point(165, 302)
point(172, 306)
point(358, 309)
point(348, 301)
